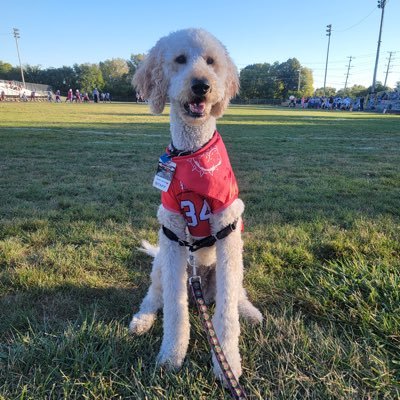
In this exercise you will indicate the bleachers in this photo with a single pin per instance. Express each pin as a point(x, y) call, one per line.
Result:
point(15, 91)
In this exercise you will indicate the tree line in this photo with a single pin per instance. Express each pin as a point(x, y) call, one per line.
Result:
point(276, 81)
point(113, 76)
point(281, 80)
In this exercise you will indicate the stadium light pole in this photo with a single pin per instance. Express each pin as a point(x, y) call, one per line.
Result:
point(381, 5)
point(328, 33)
point(298, 84)
point(17, 36)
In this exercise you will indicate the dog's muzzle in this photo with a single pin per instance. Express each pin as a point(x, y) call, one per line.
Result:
point(196, 108)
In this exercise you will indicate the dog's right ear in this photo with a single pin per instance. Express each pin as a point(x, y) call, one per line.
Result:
point(149, 80)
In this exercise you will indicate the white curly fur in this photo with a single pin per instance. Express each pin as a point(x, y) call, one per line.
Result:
point(160, 77)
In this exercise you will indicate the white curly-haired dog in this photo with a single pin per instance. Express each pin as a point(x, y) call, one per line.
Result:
point(193, 69)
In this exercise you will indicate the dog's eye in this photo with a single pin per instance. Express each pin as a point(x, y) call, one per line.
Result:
point(210, 60)
point(181, 59)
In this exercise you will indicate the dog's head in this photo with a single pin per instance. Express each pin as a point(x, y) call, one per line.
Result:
point(194, 70)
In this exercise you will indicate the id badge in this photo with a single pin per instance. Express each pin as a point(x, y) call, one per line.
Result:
point(165, 172)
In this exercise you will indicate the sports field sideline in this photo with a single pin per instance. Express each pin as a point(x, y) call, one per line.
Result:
point(322, 254)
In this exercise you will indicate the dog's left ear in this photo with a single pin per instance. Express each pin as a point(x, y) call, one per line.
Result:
point(231, 87)
point(149, 80)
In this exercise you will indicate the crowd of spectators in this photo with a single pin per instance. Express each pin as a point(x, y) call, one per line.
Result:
point(15, 91)
point(324, 103)
point(385, 101)
point(13, 85)
point(335, 103)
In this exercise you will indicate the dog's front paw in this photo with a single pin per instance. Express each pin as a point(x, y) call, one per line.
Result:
point(234, 363)
point(171, 359)
point(141, 323)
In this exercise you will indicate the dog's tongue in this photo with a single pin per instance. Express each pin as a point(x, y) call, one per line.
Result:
point(197, 108)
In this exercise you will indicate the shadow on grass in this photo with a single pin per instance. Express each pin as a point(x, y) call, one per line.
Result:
point(49, 309)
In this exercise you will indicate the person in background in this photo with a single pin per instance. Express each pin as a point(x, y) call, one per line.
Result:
point(70, 96)
point(362, 103)
point(58, 96)
point(95, 95)
point(78, 96)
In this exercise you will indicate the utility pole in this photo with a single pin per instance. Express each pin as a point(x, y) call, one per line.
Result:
point(388, 66)
point(381, 5)
point(328, 33)
point(348, 71)
point(17, 36)
point(298, 84)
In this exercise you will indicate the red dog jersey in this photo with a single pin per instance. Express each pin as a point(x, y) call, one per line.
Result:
point(203, 184)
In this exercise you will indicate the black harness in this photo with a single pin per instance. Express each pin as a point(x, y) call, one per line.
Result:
point(205, 242)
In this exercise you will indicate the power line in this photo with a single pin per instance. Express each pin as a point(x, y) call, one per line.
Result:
point(357, 23)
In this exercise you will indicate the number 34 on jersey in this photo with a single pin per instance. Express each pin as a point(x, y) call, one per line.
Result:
point(196, 213)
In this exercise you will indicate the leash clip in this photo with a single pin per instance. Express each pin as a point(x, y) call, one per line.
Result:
point(192, 263)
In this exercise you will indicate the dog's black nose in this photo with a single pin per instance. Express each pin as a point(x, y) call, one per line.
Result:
point(200, 87)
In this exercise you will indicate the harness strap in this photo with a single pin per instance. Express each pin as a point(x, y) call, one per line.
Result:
point(208, 241)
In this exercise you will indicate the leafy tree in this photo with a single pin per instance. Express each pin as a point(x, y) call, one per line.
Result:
point(33, 73)
point(379, 88)
point(288, 75)
point(116, 76)
point(62, 78)
point(306, 82)
point(354, 91)
point(257, 81)
point(329, 91)
point(89, 76)
point(358, 90)
point(134, 61)
point(275, 81)
point(5, 68)
point(8, 72)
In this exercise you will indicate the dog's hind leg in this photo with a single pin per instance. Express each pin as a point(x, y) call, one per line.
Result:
point(144, 319)
point(247, 310)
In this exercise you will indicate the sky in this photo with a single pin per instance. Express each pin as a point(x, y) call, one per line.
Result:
point(254, 31)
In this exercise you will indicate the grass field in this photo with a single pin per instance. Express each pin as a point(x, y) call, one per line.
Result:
point(322, 254)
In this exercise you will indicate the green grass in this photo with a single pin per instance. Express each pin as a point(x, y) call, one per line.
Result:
point(322, 254)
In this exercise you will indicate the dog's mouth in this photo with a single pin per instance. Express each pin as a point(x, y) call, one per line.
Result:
point(196, 108)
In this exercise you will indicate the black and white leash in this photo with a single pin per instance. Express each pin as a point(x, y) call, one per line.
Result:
point(234, 386)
